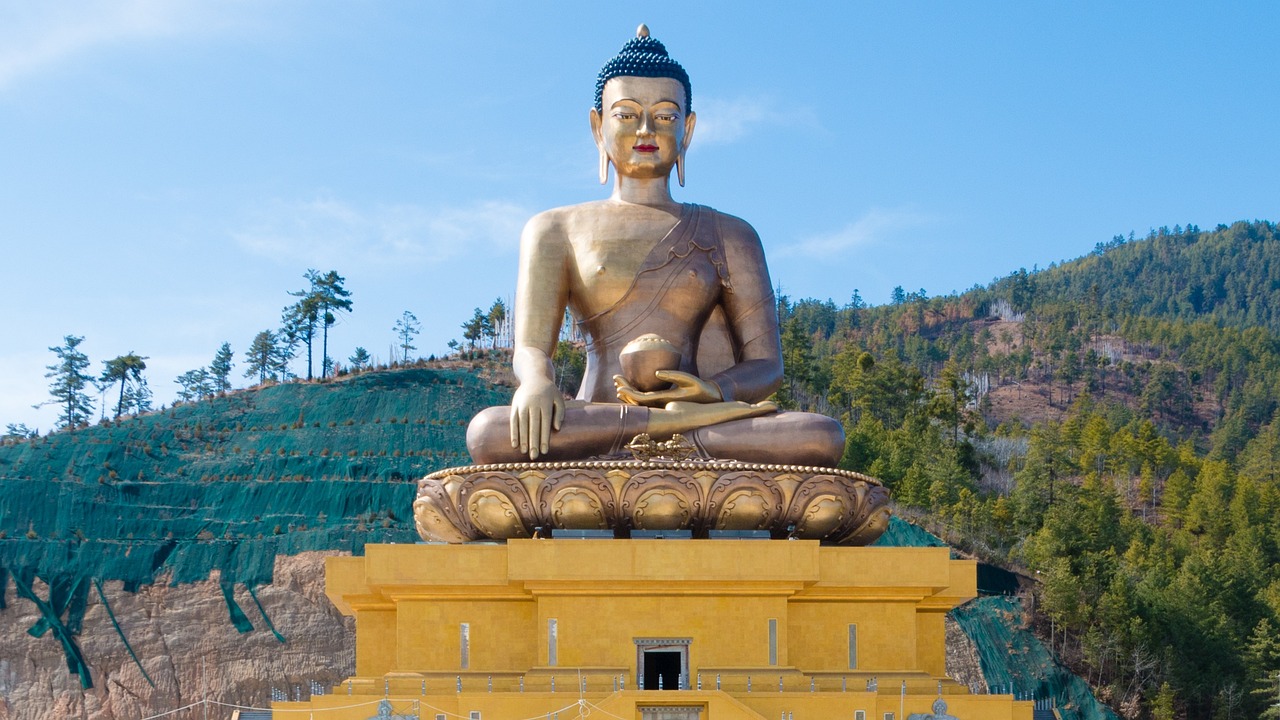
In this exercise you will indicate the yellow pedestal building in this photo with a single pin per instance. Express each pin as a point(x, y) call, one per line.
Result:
point(640, 629)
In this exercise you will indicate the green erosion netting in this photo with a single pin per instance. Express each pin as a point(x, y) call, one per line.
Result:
point(225, 485)
point(901, 533)
point(1013, 659)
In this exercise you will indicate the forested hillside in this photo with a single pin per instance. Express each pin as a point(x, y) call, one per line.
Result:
point(1230, 276)
point(1108, 425)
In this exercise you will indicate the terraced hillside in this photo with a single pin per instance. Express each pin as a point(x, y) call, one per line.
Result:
point(206, 495)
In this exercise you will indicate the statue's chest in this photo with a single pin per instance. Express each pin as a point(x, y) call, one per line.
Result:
point(606, 269)
point(680, 277)
point(609, 254)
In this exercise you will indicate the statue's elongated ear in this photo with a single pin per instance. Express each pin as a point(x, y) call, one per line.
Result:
point(597, 132)
point(689, 121)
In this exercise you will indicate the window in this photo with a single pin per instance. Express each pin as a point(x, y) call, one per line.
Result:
point(552, 637)
point(773, 641)
point(853, 647)
point(475, 715)
point(859, 715)
point(464, 645)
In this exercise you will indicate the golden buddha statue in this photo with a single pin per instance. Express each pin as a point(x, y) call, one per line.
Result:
point(639, 265)
point(683, 352)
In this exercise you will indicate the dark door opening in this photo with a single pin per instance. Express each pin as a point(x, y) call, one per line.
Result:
point(662, 669)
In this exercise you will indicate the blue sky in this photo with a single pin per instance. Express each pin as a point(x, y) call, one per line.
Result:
point(171, 168)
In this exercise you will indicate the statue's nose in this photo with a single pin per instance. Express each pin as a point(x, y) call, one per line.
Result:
point(646, 124)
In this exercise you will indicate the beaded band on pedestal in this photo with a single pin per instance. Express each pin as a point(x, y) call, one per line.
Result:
point(715, 465)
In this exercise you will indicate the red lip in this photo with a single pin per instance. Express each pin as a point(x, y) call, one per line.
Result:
point(645, 148)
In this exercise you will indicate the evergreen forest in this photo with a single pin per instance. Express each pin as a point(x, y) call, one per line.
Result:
point(1109, 427)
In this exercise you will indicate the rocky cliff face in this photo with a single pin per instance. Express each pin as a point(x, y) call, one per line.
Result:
point(187, 645)
point(963, 664)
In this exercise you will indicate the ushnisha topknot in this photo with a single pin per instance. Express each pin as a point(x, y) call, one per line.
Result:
point(643, 56)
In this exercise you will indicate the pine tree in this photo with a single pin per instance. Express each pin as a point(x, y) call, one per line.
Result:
point(570, 363)
point(195, 385)
point(330, 297)
point(316, 306)
point(126, 370)
point(497, 323)
point(360, 359)
point(283, 353)
point(220, 369)
point(1262, 662)
point(1207, 510)
point(69, 382)
point(262, 357)
point(19, 431)
point(475, 329)
point(1176, 497)
point(797, 365)
point(138, 396)
point(406, 327)
point(1162, 706)
point(950, 398)
point(298, 324)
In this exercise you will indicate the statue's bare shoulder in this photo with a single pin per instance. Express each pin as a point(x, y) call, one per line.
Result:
point(552, 238)
point(741, 244)
point(548, 226)
point(558, 223)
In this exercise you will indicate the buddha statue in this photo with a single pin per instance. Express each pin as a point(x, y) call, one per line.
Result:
point(639, 267)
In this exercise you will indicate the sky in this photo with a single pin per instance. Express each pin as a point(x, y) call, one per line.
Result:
point(169, 169)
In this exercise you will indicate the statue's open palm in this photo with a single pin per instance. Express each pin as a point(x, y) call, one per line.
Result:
point(685, 388)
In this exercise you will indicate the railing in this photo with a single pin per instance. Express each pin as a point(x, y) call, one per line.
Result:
point(763, 682)
point(569, 681)
point(596, 681)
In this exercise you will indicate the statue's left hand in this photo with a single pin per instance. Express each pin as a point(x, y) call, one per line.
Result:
point(685, 388)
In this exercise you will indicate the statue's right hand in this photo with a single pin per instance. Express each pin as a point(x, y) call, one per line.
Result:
point(536, 409)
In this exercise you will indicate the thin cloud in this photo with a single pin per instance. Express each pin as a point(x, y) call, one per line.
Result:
point(875, 226)
point(332, 233)
point(722, 121)
point(38, 35)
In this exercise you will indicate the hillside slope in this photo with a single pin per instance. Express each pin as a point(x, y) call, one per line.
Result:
point(1102, 425)
point(210, 497)
point(1230, 276)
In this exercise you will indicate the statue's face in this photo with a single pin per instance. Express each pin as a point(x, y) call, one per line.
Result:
point(643, 126)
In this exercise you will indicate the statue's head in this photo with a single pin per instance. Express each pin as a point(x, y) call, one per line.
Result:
point(641, 120)
point(643, 56)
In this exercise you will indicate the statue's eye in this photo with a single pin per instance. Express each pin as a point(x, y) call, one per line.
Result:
point(666, 117)
point(624, 116)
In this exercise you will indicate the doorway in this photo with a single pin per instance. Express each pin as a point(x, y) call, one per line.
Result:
point(662, 670)
point(662, 664)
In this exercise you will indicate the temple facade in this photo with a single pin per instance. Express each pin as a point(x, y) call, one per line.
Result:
point(651, 629)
